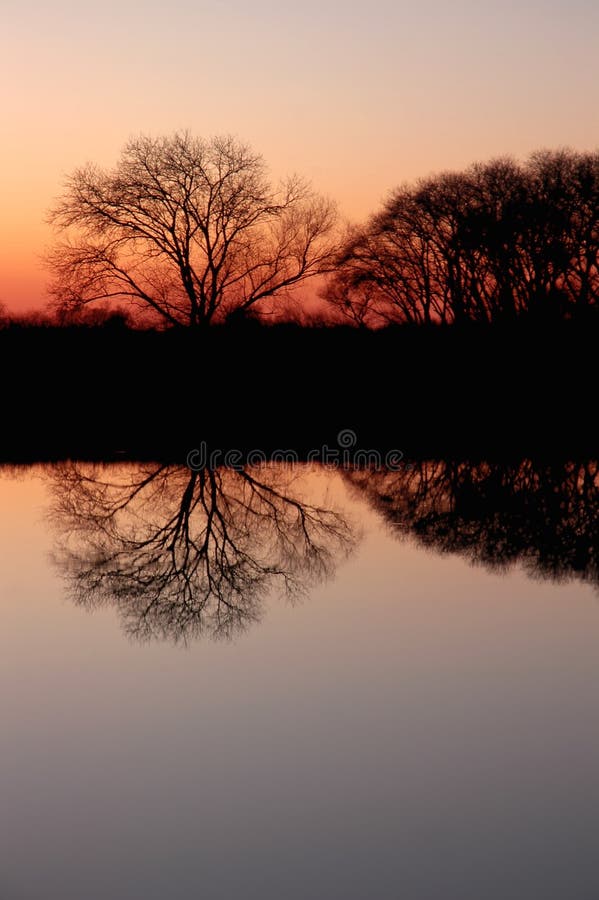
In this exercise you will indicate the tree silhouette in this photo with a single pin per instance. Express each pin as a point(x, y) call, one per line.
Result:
point(542, 515)
point(499, 241)
point(186, 231)
point(181, 553)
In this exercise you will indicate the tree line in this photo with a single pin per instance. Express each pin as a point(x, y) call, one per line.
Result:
point(191, 232)
point(497, 242)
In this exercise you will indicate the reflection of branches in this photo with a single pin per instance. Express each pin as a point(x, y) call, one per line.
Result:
point(545, 516)
point(182, 553)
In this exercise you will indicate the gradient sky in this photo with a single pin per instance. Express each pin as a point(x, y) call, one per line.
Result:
point(357, 97)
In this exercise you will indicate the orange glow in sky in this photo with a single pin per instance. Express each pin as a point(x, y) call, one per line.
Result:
point(358, 98)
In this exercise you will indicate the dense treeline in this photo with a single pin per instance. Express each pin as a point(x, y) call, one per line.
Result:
point(189, 233)
point(499, 241)
point(428, 391)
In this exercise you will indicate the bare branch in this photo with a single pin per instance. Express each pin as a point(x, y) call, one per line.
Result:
point(190, 229)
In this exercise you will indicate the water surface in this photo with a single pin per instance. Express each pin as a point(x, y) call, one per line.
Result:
point(400, 722)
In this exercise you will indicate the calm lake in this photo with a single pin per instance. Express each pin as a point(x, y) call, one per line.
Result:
point(299, 683)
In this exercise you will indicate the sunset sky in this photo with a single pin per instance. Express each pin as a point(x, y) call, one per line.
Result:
point(358, 97)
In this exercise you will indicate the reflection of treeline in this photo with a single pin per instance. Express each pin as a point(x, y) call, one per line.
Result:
point(543, 515)
point(182, 553)
point(491, 244)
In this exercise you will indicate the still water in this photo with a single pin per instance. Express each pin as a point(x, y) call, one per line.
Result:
point(299, 683)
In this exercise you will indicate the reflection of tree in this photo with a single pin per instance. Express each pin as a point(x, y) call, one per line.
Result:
point(182, 553)
point(543, 515)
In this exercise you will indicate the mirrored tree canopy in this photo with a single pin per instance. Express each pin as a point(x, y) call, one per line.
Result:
point(182, 553)
point(543, 515)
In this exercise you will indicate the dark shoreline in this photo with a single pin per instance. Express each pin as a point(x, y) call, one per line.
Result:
point(476, 392)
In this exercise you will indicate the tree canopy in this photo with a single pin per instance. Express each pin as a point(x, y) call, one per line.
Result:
point(491, 244)
point(186, 231)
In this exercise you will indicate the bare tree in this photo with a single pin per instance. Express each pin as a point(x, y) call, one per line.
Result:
point(186, 230)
